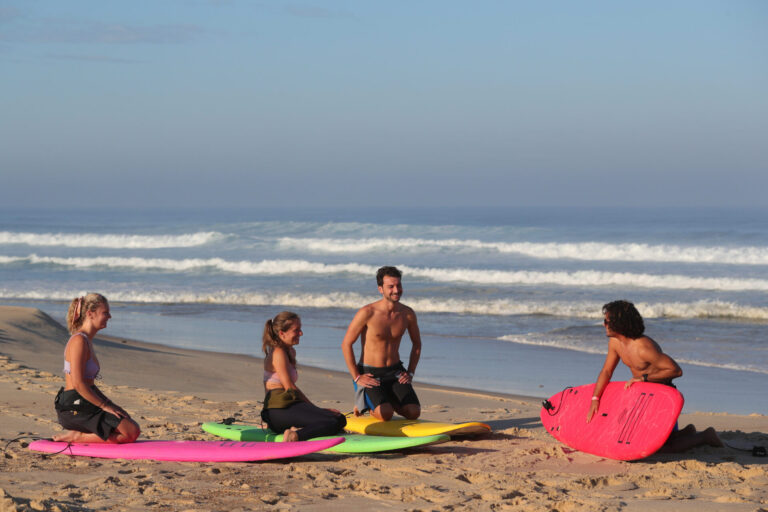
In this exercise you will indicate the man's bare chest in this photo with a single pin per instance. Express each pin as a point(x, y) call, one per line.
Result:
point(387, 328)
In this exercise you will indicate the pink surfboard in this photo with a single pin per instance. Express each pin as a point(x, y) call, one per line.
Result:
point(188, 451)
point(630, 423)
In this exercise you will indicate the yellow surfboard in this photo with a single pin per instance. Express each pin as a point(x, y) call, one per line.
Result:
point(412, 428)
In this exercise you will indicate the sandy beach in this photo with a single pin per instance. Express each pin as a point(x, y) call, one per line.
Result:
point(171, 391)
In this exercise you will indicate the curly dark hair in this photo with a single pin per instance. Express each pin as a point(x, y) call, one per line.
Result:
point(387, 271)
point(623, 318)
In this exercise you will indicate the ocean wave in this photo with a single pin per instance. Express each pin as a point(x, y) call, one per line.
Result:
point(349, 300)
point(304, 300)
point(110, 241)
point(583, 278)
point(264, 267)
point(584, 251)
point(568, 344)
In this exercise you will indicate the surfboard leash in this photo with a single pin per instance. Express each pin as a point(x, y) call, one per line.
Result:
point(756, 451)
point(18, 439)
point(32, 438)
point(547, 405)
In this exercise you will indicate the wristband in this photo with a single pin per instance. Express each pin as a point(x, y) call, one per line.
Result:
point(411, 374)
point(357, 378)
point(596, 398)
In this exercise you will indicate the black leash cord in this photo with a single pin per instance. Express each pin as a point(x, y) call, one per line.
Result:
point(33, 438)
point(548, 405)
point(756, 451)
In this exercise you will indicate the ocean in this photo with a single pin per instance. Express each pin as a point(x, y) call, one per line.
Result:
point(508, 299)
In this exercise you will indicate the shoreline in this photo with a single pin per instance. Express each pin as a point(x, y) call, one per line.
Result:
point(439, 388)
point(498, 367)
point(171, 391)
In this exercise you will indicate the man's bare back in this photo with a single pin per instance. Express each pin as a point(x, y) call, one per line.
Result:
point(643, 356)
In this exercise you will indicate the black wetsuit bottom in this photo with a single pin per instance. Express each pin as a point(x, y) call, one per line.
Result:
point(312, 421)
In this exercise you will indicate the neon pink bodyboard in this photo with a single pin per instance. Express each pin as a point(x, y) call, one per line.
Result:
point(189, 451)
point(630, 423)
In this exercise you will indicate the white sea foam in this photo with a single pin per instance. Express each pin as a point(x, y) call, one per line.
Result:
point(583, 278)
point(5, 260)
point(588, 278)
point(497, 307)
point(586, 251)
point(523, 339)
point(569, 344)
point(264, 267)
point(110, 241)
point(351, 301)
point(120, 294)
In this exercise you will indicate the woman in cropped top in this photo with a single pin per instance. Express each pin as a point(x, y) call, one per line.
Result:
point(286, 408)
point(87, 414)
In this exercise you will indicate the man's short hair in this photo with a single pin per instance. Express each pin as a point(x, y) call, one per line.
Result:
point(387, 271)
point(624, 318)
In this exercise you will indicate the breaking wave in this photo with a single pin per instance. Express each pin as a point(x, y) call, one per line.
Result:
point(344, 300)
point(582, 278)
point(581, 346)
point(586, 251)
point(110, 241)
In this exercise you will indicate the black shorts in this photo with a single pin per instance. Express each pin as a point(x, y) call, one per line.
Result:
point(389, 390)
point(76, 413)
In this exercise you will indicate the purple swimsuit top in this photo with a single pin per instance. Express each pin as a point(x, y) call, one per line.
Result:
point(272, 377)
point(91, 366)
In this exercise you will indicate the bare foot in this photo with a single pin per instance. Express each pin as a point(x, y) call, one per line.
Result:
point(70, 436)
point(290, 436)
point(711, 438)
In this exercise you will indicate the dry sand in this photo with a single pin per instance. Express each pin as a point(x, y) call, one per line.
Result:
point(171, 391)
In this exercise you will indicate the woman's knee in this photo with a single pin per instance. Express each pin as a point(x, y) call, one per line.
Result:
point(128, 431)
point(324, 427)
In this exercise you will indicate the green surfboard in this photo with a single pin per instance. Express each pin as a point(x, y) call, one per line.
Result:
point(353, 443)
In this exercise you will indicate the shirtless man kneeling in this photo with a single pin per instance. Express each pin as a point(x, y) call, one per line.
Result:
point(380, 378)
point(624, 328)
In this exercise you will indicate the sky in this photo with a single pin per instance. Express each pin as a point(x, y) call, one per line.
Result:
point(194, 103)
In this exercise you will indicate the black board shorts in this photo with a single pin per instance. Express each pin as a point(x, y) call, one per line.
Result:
point(77, 413)
point(389, 390)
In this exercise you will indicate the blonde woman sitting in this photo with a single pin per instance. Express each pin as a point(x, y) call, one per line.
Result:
point(87, 414)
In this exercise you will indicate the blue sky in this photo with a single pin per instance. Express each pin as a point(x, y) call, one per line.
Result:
point(435, 103)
